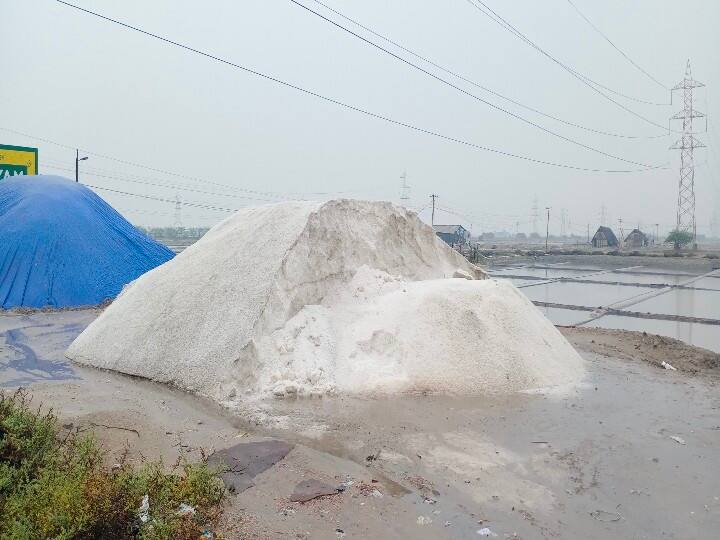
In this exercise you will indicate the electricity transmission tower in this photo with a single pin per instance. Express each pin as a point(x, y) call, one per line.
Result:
point(603, 214)
point(177, 222)
point(404, 190)
point(687, 144)
point(535, 215)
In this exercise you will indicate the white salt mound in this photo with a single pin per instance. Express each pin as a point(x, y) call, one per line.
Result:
point(338, 297)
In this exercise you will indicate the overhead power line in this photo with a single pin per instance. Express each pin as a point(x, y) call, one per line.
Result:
point(133, 164)
point(169, 186)
point(346, 105)
point(273, 194)
point(470, 94)
point(618, 49)
point(480, 86)
point(587, 81)
point(172, 201)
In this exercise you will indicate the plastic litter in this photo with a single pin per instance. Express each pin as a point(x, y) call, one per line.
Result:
point(185, 510)
point(677, 439)
point(486, 532)
point(668, 366)
point(604, 515)
point(424, 520)
point(344, 485)
point(144, 510)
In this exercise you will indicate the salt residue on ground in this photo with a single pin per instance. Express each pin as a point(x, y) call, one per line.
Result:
point(308, 298)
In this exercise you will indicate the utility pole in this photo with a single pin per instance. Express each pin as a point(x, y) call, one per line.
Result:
point(547, 227)
point(78, 159)
point(687, 145)
point(404, 190)
point(588, 233)
point(657, 233)
point(432, 216)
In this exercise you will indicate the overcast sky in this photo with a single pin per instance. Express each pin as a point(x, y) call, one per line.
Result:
point(81, 81)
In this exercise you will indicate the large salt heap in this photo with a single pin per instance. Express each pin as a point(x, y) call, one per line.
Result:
point(343, 296)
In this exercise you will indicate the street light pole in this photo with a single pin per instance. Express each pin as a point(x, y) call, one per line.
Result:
point(547, 227)
point(78, 159)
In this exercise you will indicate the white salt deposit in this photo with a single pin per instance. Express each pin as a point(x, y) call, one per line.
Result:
point(337, 297)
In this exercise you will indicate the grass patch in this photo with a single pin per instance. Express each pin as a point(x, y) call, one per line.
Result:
point(54, 486)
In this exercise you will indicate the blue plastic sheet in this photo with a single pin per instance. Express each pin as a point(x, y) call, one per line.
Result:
point(62, 246)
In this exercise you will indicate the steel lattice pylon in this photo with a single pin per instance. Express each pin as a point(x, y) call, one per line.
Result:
point(687, 144)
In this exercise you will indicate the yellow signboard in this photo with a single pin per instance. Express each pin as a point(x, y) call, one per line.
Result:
point(17, 160)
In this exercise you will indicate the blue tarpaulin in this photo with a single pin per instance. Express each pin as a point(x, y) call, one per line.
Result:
point(62, 246)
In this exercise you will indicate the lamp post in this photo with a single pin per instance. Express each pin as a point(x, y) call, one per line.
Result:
point(78, 159)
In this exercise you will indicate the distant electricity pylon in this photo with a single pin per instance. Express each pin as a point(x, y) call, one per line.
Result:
point(603, 215)
point(535, 215)
point(687, 144)
point(177, 223)
point(404, 190)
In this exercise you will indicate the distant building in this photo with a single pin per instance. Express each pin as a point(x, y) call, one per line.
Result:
point(454, 235)
point(604, 237)
point(636, 239)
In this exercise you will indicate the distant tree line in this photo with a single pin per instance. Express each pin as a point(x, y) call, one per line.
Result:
point(175, 234)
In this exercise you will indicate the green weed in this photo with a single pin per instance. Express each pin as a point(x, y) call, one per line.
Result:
point(54, 486)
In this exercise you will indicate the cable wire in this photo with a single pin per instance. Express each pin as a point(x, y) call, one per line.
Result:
point(615, 46)
point(480, 86)
point(169, 186)
point(274, 194)
point(470, 94)
point(346, 105)
point(172, 201)
point(582, 78)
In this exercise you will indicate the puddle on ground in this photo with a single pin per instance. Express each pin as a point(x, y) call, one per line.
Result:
point(32, 347)
point(632, 277)
point(564, 317)
point(700, 335)
point(687, 302)
point(518, 282)
point(581, 294)
point(707, 283)
point(549, 273)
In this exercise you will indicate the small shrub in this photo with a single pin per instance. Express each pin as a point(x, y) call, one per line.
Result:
point(58, 487)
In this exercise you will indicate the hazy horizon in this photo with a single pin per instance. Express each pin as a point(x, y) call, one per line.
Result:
point(84, 82)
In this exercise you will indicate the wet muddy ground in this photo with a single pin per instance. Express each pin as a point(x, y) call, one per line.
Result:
point(631, 453)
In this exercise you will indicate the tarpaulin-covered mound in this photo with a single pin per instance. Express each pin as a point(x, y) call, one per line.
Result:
point(63, 246)
point(343, 296)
